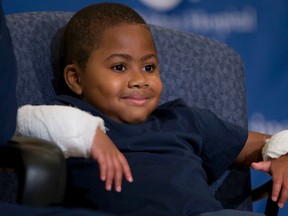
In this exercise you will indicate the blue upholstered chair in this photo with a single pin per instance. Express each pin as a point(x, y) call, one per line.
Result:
point(204, 72)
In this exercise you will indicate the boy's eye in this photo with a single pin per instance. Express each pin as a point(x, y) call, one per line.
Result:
point(119, 67)
point(149, 68)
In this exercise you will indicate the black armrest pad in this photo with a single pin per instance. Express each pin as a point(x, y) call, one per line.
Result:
point(40, 167)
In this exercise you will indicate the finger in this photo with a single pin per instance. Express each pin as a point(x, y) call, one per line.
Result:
point(284, 192)
point(110, 175)
point(118, 175)
point(277, 179)
point(276, 188)
point(264, 166)
point(282, 200)
point(126, 169)
point(102, 167)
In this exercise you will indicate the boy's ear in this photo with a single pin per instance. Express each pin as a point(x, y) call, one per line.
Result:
point(72, 78)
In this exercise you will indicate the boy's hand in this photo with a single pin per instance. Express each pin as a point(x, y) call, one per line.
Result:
point(112, 163)
point(278, 169)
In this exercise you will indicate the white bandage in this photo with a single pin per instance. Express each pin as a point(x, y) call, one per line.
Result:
point(276, 146)
point(72, 129)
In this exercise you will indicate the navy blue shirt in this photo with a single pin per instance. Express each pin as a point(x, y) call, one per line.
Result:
point(173, 157)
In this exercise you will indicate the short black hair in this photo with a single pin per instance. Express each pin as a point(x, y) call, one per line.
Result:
point(84, 32)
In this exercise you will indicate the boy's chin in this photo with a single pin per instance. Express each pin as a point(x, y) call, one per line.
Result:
point(130, 115)
point(134, 119)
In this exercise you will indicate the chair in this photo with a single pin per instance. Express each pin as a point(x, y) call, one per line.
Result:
point(204, 72)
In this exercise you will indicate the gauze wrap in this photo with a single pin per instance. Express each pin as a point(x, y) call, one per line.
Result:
point(72, 129)
point(276, 146)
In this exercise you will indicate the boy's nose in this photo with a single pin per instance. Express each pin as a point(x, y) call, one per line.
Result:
point(138, 80)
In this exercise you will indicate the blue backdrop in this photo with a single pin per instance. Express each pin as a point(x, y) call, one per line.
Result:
point(258, 30)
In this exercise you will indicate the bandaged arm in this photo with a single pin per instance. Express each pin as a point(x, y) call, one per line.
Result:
point(276, 146)
point(72, 129)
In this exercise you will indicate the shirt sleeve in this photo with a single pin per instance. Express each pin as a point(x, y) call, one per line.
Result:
point(70, 128)
point(222, 142)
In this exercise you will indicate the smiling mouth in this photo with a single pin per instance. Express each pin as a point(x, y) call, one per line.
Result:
point(135, 100)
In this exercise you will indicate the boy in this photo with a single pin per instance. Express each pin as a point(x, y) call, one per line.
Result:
point(173, 151)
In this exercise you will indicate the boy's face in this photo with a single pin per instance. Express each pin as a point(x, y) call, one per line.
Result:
point(122, 76)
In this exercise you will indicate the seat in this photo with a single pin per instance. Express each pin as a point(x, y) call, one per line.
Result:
point(202, 71)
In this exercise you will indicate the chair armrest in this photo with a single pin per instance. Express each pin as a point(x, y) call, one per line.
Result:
point(262, 192)
point(40, 167)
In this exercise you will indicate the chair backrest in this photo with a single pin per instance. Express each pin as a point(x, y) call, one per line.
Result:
point(203, 72)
